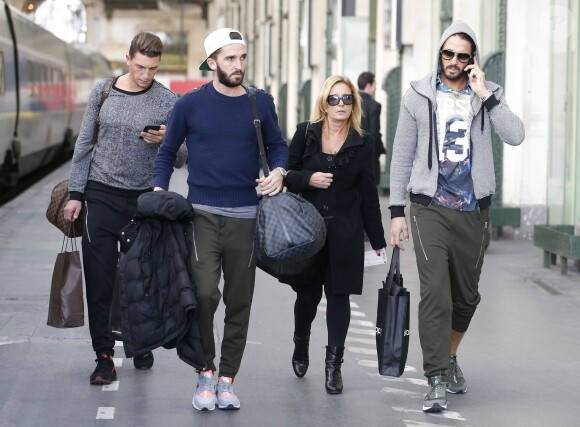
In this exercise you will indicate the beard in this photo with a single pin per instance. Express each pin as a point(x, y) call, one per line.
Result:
point(448, 74)
point(459, 75)
point(229, 81)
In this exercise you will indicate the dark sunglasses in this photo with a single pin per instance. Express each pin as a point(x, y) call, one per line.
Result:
point(333, 100)
point(448, 54)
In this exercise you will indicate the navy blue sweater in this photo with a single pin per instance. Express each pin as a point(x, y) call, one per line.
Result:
point(223, 156)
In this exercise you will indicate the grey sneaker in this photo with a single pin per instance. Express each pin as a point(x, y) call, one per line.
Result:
point(204, 397)
point(455, 380)
point(436, 399)
point(226, 397)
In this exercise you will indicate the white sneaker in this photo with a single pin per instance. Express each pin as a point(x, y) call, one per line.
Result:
point(204, 398)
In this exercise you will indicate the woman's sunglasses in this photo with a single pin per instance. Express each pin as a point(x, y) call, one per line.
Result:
point(334, 100)
point(449, 54)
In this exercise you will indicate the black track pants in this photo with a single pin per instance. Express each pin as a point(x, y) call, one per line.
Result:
point(105, 212)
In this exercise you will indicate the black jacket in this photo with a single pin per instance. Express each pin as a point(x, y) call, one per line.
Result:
point(350, 204)
point(371, 123)
point(156, 288)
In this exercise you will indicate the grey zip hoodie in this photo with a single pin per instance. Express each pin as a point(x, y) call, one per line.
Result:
point(414, 164)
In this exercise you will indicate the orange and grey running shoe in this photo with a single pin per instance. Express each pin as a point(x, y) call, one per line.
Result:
point(204, 397)
point(226, 397)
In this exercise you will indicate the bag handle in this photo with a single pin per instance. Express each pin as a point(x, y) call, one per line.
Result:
point(258, 125)
point(66, 240)
point(395, 268)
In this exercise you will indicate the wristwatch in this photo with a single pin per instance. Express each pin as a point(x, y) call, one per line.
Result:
point(282, 171)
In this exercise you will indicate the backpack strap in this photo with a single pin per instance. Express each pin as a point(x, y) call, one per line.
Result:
point(104, 94)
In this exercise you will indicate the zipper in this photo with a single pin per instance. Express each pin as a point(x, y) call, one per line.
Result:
point(419, 235)
point(193, 238)
point(87, 221)
point(481, 246)
point(251, 254)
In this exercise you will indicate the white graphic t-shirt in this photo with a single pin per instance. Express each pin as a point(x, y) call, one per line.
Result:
point(454, 185)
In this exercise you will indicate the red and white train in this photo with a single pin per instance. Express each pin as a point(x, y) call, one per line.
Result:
point(44, 87)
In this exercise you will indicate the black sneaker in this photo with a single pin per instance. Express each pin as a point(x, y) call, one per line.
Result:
point(105, 372)
point(143, 361)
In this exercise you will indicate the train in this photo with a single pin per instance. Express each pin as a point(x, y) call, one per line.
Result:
point(45, 84)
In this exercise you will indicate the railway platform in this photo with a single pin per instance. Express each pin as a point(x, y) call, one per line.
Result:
point(520, 356)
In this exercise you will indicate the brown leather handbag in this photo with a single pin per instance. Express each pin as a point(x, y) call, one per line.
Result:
point(55, 211)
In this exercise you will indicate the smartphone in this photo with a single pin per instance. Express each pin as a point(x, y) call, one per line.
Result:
point(148, 128)
point(469, 63)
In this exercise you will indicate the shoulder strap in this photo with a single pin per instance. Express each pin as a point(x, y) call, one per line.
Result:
point(303, 139)
point(258, 125)
point(104, 94)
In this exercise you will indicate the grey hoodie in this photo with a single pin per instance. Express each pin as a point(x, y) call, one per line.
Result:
point(414, 166)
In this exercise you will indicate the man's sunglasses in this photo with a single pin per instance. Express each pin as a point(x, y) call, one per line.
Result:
point(334, 100)
point(448, 54)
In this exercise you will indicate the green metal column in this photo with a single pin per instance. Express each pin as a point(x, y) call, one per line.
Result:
point(373, 16)
point(304, 102)
point(283, 109)
point(494, 68)
point(391, 85)
point(446, 17)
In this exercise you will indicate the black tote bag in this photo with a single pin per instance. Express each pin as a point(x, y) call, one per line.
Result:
point(392, 327)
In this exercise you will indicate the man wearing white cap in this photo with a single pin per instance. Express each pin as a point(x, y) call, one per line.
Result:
point(216, 121)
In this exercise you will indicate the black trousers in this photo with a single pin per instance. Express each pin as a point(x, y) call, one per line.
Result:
point(337, 307)
point(106, 210)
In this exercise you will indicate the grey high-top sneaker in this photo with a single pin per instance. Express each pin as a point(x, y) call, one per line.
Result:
point(455, 380)
point(436, 399)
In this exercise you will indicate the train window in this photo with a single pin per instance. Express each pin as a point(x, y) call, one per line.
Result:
point(2, 76)
point(30, 75)
point(34, 77)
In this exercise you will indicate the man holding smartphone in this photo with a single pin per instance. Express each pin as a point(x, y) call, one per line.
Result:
point(442, 155)
point(105, 183)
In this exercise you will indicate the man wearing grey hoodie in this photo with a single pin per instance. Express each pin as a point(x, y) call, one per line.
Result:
point(442, 156)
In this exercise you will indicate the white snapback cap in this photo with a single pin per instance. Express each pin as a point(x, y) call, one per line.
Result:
point(217, 40)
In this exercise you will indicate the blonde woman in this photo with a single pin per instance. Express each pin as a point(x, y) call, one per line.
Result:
point(330, 164)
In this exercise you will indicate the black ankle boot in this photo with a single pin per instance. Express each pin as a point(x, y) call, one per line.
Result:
point(300, 356)
point(333, 362)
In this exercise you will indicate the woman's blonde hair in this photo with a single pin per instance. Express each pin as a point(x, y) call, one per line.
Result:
point(319, 112)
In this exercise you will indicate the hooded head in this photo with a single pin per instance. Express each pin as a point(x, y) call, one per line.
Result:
point(462, 32)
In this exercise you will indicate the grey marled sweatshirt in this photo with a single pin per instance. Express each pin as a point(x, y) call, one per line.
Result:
point(416, 137)
point(120, 159)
